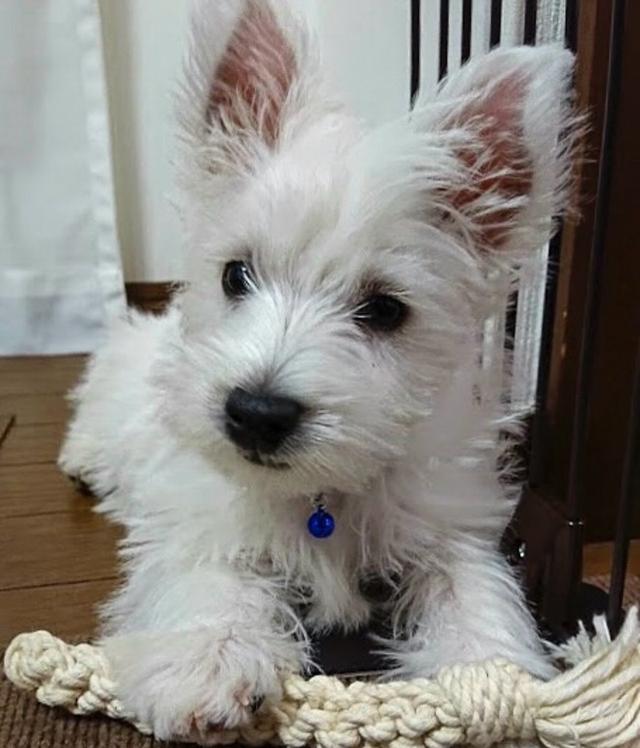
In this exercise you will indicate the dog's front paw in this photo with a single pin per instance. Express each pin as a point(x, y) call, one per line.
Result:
point(426, 658)
point(188, 685)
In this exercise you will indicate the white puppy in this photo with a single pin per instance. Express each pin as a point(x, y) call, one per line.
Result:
point(323, 362)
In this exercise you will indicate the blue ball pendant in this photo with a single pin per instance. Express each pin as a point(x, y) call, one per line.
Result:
point(321, 524)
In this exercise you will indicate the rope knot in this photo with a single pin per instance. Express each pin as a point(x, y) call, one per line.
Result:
point(491, 701)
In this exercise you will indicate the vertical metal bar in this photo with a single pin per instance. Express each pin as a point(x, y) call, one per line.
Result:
point(444, 39)
point(575, 490)
point(530, 21)
point(496, 23)
point(537, 466)
point(629, 487)
point(571, 24)
point(415, 49)
point(465, 46)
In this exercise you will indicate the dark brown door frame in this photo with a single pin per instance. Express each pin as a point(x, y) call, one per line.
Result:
point(579, 431)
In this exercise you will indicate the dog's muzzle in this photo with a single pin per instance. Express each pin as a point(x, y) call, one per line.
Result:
point(259, 423)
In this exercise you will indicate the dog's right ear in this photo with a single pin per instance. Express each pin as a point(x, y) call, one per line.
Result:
point(247, 73)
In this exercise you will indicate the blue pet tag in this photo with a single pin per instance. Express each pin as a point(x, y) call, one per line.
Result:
point(321, 523)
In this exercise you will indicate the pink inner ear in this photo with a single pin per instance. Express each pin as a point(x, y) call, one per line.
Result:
point(254, 77)
point(502, 166)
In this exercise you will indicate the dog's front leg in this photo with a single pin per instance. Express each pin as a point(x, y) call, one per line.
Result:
point(196, 650)
point(467, 606)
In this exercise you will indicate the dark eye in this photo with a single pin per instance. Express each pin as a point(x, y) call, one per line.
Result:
point(381, 312)
point(237, 279)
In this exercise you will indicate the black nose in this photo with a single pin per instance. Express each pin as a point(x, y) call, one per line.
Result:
point(260, 422)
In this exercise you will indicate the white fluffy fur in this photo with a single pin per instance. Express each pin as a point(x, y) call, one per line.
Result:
point(218, 559)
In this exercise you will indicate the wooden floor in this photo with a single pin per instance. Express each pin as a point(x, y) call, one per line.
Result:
point(57, 557)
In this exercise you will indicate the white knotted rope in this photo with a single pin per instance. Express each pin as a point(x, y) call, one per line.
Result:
point(594, 704)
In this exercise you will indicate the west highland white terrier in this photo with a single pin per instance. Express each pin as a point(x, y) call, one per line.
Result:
point(311, 411)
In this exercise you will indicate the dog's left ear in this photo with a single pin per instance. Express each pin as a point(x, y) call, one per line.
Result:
point(506, 129)
point(248, 73)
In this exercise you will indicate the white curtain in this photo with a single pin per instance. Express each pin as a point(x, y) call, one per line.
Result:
point(60, 270)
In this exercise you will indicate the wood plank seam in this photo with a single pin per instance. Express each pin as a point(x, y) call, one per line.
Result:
point(6, 424)
point(66, 583)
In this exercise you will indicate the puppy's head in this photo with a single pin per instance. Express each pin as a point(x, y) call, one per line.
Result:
point(338, 276)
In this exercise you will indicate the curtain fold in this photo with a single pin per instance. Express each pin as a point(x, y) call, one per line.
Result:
point(60, 269)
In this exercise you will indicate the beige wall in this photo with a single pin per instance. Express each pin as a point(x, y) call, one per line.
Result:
point(366, 48)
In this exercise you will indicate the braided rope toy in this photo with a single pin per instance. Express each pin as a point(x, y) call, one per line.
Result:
point(593, 704)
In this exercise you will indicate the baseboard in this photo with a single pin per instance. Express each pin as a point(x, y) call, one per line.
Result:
point(149, 296)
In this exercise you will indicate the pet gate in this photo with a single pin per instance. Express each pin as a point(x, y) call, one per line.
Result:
point(574, 327)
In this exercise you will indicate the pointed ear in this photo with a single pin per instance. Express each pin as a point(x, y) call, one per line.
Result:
point(243, 68)
point(507, 125)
